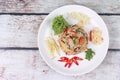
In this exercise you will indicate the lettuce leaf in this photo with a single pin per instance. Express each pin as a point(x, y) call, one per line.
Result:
point(59, 24)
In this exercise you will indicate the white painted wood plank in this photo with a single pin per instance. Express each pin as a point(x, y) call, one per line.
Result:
point(21, 31)
point(45, 6)
point(28, 65)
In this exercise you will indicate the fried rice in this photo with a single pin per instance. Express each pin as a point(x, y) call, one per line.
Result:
point(73, 40)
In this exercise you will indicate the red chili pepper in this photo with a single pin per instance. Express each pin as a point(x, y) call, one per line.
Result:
point(77, 58)
point(91, 34)
point(75, 61)
point(66, 53)
point(69, 63)
point(63, 59)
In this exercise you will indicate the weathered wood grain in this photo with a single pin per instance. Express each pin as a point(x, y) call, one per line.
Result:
point(21, 31)
point(28, 65)
point(45, 6)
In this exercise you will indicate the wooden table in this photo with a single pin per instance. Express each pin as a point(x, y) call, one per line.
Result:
point(19, 24)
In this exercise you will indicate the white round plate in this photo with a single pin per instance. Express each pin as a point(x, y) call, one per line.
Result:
point(85, 66)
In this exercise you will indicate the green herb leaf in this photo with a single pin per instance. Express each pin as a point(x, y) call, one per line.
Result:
point(77, 30)
point(59, 24)
point(89, 54)
point(74, 41)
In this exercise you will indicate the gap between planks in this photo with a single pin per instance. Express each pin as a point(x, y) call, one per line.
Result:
point(35, 48)
point(108, 14)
